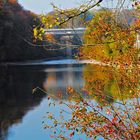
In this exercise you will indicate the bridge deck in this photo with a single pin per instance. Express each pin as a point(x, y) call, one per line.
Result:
point(68, 31)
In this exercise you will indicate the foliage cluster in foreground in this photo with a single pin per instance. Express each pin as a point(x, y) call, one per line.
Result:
point(106, 107)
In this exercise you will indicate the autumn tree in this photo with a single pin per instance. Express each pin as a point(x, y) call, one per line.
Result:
point(16, 34)
point(110, 116)
point(107, 40)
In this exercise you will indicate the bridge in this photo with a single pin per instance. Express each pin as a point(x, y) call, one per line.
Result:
point(64, 38)
point(67, 31)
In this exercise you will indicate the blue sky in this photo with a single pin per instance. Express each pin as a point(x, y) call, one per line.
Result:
point(44, 6)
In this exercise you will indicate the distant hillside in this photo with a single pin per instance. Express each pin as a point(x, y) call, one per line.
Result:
point(76, 22)
point(126, 16)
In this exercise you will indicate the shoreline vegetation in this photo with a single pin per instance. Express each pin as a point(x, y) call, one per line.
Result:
point(17, 35)
point(101, 95)
point(16, 26)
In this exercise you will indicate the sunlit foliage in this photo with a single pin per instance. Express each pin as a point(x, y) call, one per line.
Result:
point(12, 1)
point(106, 40)
point(113, 84)
point(112, 116)
point(108, 105)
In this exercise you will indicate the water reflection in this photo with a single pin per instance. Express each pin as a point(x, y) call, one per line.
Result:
point(17, 100)
point(107, 84)
point(102, 84)
point(16, 97)
point(58, 80)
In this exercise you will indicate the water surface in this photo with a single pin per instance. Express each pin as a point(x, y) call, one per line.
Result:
point(22, 112)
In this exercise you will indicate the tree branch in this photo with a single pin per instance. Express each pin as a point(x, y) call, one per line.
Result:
point(80, 12)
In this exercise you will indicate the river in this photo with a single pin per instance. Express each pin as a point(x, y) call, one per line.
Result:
point(22, 111)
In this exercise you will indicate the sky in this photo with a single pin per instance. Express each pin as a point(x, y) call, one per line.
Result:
point(44, 6)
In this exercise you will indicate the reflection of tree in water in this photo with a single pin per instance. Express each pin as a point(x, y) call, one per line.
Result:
point(107, 85)
point(16, 97)
point(57, 82)
point(101, 83)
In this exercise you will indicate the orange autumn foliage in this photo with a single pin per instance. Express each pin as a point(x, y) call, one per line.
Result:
point(106, 40)
point(49, 37)
point(136, 25)
point(12, 1)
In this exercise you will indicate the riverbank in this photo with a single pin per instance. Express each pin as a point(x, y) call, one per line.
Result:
point(16, 26)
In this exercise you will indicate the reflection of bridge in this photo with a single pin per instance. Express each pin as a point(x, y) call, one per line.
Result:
point(67, 31)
